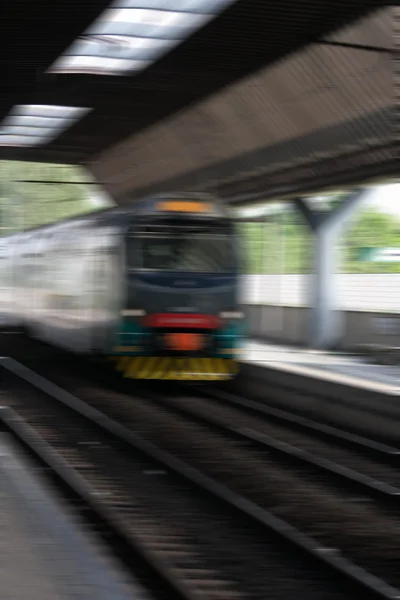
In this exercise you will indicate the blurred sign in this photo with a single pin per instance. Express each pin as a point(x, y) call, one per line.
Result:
point(379, 254)
point(178, 206)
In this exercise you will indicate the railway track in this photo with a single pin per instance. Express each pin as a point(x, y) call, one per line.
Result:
point(360, 463)
point(297, 423)
point(203, 539)
point(338, 517)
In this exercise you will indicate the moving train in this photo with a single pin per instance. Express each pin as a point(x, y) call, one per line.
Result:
point(153, 285)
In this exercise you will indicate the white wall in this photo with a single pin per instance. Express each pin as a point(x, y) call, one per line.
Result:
point(379, 293)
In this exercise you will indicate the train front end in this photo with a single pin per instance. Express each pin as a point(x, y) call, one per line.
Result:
point(181, 318)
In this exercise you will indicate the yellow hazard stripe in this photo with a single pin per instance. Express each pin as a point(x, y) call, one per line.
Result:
point(162, 367)
point(171, 368)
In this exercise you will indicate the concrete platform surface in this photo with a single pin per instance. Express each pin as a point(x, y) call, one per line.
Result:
point(44, 554)
point(323, 364)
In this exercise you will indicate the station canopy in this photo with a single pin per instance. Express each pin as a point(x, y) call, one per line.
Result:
point(231, 97)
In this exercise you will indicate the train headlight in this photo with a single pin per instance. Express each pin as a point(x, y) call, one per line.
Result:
point(133, 312)
point(231, 315)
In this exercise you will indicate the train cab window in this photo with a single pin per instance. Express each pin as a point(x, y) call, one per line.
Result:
point(187, 251)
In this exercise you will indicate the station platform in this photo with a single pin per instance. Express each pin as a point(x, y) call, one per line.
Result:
point(341, 367)
point(331, 366)
point(44, 555)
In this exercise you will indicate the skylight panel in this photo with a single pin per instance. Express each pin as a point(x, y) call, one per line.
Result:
point(97, 65)
point(153, 26)
point(31, 125)
point(26, 131)
point(19, 140)
point(51, 110)
point(134, 48)
point(148, 23)
point(198, 6)
point(33, 121)
point(153, 18)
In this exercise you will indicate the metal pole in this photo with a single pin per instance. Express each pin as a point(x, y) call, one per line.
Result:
point(327, 320)
point(283, 270)
point(261, 287)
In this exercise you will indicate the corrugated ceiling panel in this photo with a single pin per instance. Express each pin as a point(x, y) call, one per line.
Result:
point(375, 31)
point(320, 87)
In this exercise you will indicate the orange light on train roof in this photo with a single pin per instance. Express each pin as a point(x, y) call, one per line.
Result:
point(178, 206)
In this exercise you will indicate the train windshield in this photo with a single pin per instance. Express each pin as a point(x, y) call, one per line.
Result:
point(186, 250)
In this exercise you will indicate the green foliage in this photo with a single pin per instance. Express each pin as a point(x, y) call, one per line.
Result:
point(24, 205)
point(280, 245)
point(284, 244)
point(373, 229)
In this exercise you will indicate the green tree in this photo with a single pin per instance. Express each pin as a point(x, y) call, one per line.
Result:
point(284, 243)
point(25, 205)
point(372, 229)
point(280, 244)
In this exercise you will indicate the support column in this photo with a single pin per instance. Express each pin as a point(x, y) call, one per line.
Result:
point(327, 320)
